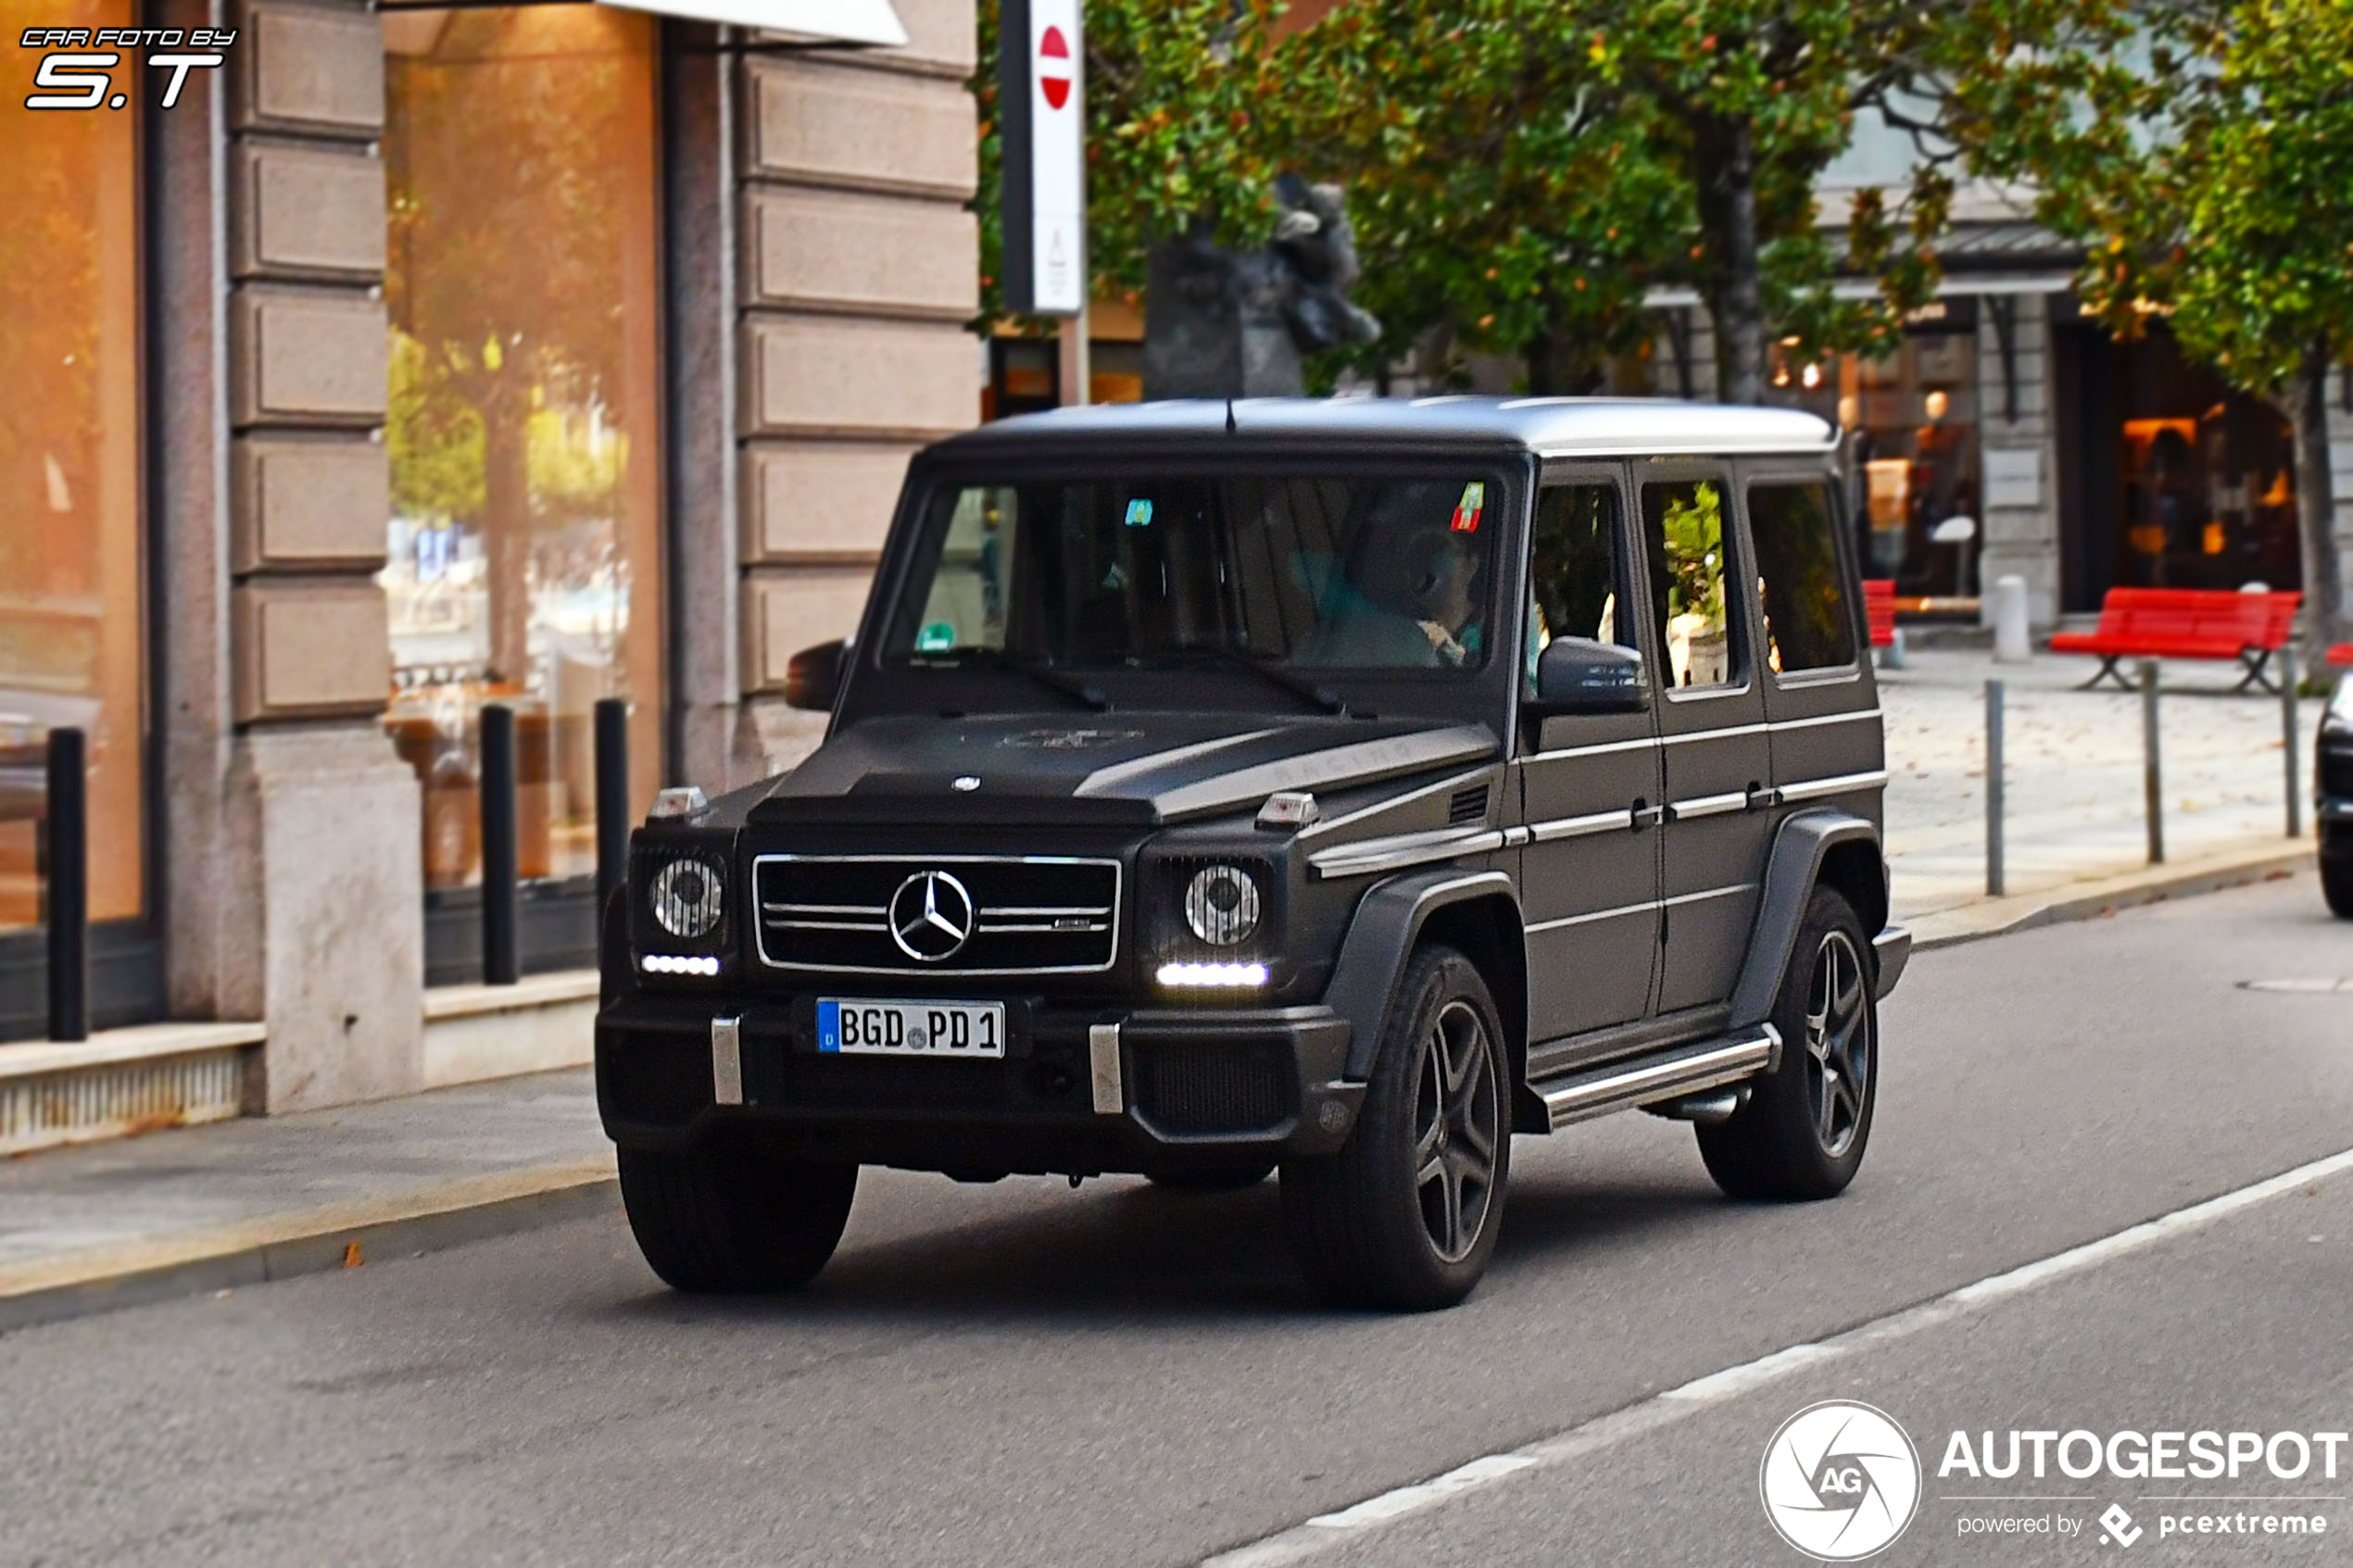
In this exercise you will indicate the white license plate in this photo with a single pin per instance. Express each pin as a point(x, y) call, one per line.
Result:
point(856, 1026)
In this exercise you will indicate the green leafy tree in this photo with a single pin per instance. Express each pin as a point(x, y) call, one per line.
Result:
point(1758, 96)
point(1500, 195)
point(1184, 113)
point(2209, 170)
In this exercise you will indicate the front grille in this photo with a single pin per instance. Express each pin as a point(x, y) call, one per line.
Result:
point(1466, 807)
point(1021, 914)
point(1215, 1086)
point(2336, 771)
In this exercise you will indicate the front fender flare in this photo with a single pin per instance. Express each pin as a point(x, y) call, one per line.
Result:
point(1380, 938)
point(1803, 842)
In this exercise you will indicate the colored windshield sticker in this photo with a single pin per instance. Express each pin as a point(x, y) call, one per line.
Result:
point(1140, 513)
point(937, 637)
point(1467, 510)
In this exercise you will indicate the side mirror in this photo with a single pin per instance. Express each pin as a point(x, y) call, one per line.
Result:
point(1577, 675)
point(812, 677)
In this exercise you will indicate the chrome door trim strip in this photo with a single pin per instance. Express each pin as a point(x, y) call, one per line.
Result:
point(1814, 789)
point(1727, 732)
point(1601, 748)
point(1647, 906)
point(1707, 806)
point(1855, 718)
point(1706, 893)
point(1368, 857)
point(1578, 827)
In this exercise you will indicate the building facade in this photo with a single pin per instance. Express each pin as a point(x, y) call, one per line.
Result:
point(414, 359)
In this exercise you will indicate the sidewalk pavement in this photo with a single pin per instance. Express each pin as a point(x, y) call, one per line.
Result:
point(2072, 765)
point(220, 1207)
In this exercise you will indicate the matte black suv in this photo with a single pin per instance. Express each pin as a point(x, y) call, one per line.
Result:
point(1339, 785)
point(2332, 785)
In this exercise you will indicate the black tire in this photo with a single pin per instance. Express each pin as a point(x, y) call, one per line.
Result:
point(1404, 1216)
point(1233, 1180)
point(2337, 883)
point(729, 1221)
point(1804, 1129)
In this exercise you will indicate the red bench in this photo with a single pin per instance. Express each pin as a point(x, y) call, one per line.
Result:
point(2186, 623)
point(1879, 609)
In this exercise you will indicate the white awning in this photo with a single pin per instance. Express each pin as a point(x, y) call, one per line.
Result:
point(831, 21)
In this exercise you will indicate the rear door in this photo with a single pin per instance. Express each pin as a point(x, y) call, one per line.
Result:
point(1588, 784)
point(1820, 699)
point(1715, 756)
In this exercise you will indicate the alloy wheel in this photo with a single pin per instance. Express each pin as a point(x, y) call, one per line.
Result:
point(1457, 1129)
point(1838, 1043)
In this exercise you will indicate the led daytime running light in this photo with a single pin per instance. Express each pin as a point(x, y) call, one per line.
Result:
point(1222, 976)
point(667, 963)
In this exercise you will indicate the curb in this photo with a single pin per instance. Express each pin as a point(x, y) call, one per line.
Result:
point(311, 1241)
point(2080, 901)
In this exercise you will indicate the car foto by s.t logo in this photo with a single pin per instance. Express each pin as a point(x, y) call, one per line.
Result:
point(1839, 1481)
point(82, 59)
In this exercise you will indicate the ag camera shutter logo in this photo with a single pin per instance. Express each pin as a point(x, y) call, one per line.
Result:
point(1839, 1481)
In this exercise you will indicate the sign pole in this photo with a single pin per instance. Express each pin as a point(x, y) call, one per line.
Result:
point(1041, 94)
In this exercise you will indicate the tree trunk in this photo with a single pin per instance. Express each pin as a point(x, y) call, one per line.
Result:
point(2315, 502)
point(506, 516)
point(1560, 365)
point(1727, 151)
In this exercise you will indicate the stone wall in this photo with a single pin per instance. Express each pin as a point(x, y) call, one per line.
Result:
point(860, 270)
point(2018, 501)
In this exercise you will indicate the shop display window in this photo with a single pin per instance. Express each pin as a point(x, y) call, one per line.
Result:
point(70, 635)
point(520, 154)
point(2206, 477)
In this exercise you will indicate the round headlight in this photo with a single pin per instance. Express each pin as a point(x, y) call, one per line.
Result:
point(686, 898)
point(1221, 905)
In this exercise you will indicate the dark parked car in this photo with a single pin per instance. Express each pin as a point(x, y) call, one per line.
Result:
point(1344, 787)
point(2333, 780)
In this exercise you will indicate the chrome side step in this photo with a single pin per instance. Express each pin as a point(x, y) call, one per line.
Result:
point(1684, 1071)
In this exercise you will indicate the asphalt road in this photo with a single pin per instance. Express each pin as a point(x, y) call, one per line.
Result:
point(1024, 1375)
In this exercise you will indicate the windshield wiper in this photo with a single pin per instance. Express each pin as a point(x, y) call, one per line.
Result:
point(1044, 675)
point(1298, 686)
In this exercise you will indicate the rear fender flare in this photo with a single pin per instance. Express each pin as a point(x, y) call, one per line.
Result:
point(1803, 842)
point(1380, 938)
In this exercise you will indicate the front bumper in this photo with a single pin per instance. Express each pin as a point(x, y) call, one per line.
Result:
point(1080, 1091)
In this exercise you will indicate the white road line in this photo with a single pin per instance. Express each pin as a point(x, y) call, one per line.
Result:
point(1331, 1532)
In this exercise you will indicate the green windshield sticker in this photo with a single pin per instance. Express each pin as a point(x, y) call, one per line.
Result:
point(936, 637)
point(1140, 513)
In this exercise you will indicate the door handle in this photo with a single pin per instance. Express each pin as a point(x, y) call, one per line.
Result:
point(1646, 816)
point(1763, 797)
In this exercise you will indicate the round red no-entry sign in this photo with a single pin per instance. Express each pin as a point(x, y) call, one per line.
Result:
point(1054, 67)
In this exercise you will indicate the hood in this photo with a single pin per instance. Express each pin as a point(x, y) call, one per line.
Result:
point(1140, 768)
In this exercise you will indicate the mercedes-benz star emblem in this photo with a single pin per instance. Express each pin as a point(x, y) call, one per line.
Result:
point(931, 916)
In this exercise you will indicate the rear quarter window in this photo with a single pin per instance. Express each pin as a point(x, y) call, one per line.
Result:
point(1809, 620)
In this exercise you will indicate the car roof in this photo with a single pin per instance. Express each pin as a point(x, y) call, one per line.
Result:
point(1550, 427)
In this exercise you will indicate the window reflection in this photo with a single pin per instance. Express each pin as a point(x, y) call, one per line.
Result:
point(70, 621)
point(518, 151)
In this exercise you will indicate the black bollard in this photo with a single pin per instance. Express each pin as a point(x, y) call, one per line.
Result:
point(612, 798)
point(499, 836)
point(67, 827)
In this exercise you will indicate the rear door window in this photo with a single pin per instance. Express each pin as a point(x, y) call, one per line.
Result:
point(1685, 538)
point(1809, 621)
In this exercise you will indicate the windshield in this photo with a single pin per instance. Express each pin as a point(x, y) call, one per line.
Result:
point(1314, 572)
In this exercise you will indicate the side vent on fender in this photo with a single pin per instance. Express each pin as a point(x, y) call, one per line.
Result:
point(1466, 807)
